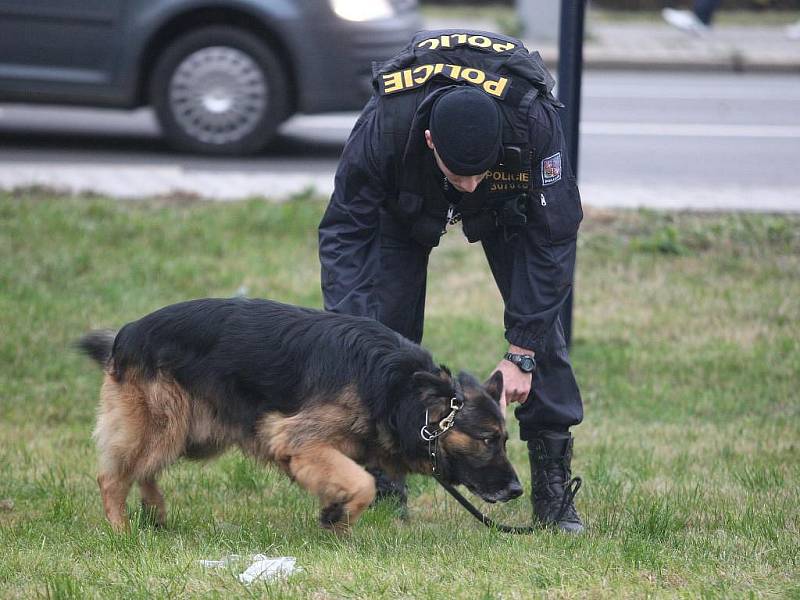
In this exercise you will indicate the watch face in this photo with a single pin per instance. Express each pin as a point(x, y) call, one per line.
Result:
point(524, 362)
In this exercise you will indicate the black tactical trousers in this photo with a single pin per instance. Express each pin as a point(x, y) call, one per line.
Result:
point(555, 401)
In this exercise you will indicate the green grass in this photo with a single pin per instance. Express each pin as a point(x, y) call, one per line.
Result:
point(687, 349)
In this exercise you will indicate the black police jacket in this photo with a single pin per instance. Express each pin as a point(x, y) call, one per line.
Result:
point(532, 263)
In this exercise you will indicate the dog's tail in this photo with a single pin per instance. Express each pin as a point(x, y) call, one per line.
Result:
point(97, 345)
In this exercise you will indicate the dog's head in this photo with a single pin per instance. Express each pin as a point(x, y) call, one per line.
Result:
point(473, 451)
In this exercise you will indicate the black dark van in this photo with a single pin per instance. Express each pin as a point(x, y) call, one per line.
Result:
point(220, 74)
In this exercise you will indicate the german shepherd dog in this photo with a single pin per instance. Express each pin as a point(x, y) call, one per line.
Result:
point(321, 395)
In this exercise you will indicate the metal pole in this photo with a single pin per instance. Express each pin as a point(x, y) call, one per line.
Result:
point(570, 69)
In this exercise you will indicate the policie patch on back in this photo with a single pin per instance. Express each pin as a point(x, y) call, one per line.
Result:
point(551, 169)
point(414, 77)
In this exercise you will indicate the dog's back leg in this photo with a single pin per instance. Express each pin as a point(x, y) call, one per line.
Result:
point(344, 488)
point(141, 428)
point(114, 488)
point(153, 500)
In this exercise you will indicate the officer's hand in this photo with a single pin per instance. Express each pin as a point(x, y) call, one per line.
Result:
point(516, 384)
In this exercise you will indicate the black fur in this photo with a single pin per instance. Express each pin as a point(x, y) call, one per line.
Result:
point(97, 345)
point(247, 357)
point(331, 514)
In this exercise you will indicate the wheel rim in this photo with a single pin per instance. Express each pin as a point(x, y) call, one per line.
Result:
point(218, 94)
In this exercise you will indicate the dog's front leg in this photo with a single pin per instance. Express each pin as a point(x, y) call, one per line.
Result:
point(344, 488)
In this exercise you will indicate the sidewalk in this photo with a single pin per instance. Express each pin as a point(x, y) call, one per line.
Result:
point(638, 45)
point(655, 45)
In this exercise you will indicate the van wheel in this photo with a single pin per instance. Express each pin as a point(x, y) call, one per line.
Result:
point(219, 90)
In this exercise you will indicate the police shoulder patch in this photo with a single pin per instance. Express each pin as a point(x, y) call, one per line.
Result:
point(551, 169)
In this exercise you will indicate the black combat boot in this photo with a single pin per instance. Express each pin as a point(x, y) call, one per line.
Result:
point(394, 491)
point(553, 492)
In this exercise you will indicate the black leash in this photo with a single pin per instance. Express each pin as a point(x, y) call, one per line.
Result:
point(431, 436)
point(569, 495)
point(482, 517)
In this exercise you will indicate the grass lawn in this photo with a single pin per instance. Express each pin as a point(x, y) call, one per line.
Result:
point(687, 349)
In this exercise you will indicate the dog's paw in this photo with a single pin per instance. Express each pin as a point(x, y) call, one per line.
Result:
point(334, 518)
point(153, 516)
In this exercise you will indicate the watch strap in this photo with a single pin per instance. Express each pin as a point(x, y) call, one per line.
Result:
point(518, 359)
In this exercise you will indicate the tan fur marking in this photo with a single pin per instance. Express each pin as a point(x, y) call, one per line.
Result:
point(336, 480)
point(337, 424)
point(460, 440)
point(114, 491)
point(141, 428)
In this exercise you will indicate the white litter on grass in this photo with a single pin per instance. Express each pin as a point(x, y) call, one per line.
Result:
point(262, 567)
point(268, 568)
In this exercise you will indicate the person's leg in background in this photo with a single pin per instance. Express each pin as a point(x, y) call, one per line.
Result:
point(697, 21)
point(401, 287)
point(704, 10)
point(401, 283)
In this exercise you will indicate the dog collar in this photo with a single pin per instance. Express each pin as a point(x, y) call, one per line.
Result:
point(431, 434)
point(427, 433)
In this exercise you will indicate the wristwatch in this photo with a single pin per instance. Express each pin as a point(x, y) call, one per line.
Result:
point(525, 362)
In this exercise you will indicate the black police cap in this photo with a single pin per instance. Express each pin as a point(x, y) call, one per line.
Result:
point(466, 131)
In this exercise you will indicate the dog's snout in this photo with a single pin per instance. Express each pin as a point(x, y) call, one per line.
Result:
point(511, 491)
point(514, 490)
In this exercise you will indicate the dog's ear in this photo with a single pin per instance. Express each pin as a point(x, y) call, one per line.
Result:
point(494, 385)
point(434, 389)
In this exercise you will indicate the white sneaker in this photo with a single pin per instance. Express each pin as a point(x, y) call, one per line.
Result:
point(685, 20)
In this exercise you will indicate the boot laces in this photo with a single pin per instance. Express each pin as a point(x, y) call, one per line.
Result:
point(567, 508)
point(554, 472)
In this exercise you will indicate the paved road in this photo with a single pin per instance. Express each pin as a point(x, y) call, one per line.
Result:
point(648, 139)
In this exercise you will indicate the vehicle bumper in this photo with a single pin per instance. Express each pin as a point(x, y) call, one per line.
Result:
point(335, 73)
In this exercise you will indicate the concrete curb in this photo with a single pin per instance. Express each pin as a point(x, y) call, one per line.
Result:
point(653, 46)
point(173, 183)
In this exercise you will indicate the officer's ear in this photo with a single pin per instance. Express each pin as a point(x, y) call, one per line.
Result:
point(428, 139)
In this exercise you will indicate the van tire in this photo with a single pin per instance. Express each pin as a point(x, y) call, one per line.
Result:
point(219, 90)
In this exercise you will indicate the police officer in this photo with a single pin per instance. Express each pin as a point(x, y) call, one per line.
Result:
point(463, 127)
